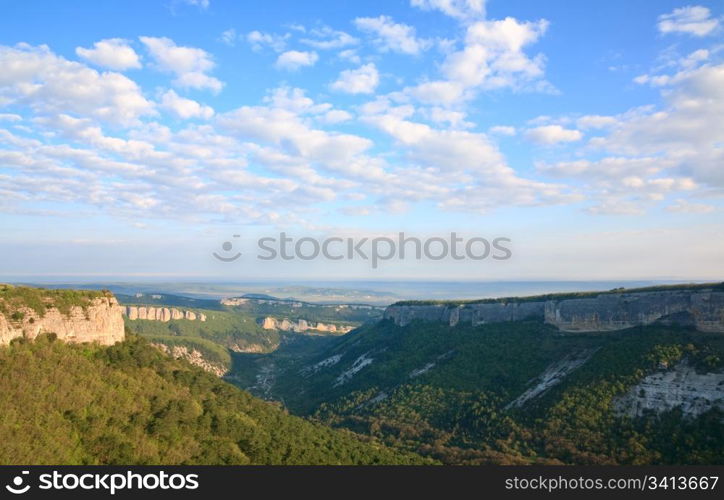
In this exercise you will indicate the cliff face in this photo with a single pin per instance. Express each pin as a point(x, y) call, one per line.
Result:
point(702, 309)
point(193, 356)
point(301, 325)
point(679, 387)
point(475, 314)
point(161, 313)
point(101, 321)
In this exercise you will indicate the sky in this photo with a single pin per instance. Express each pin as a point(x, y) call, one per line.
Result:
point(137, 137)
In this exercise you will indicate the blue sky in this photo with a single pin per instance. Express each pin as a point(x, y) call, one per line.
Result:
point(135, 137)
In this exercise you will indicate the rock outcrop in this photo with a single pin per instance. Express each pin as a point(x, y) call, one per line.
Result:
point(161, 314)
point(302, 325)
point(193, 356)
point(678, 387)
point(701, 308)
point(100, 321)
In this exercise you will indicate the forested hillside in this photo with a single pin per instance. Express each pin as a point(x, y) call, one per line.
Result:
point(518, 392)
point(131, 404)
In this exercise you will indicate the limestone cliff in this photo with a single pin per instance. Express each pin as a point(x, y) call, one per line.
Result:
point(193, 356)
point(700, 307)
point(301, 325)
point(99, 321)
point(161, 314)
point(677, 387)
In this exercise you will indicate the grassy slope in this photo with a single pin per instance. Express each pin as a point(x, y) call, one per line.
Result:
point(129, 404)
point(39, 300)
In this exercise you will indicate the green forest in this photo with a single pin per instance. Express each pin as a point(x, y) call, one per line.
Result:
point(130, 404)
point(425, 393)
point(458, 413)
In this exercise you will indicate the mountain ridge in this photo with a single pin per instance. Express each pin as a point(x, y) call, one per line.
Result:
point(701, 306)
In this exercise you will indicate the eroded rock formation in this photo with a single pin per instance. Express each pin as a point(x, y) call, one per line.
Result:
point(678, 387)
point(101, 321)
point(193, 356)
point(301, 325)
point(161, 314)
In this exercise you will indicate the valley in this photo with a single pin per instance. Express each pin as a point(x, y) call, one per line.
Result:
point(495, 381)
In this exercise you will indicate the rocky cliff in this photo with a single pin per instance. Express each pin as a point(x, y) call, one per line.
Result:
point(301, 325)
point(193, 356)
point(699, 307)
point(678, 387)
point(161, 314)
point(99, 321)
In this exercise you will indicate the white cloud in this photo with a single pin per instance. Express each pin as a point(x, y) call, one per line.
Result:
point(201, 4)
point(683, 206)
point(609, 169)
point(292, 60)
point(36, 77)
point(113, 53)
point(295, 100)
point(336, 116)
point(691, 121)
point(649, 153)
point(552, 134)
point(258, 40)
point(185, 108)
point(350, 55)
point(694, 20)
point(493, 56)
point(455, 119)
point(503, 130)
point(326, 38)
point(286, 130)
point(685, 134)
point(391, 36)
point(229, 37)
point(479, 178)
point(10, 117)
point(459, 9)
point(437, 92)
point(363, 80)
point(189, 64)
point(595, 122)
